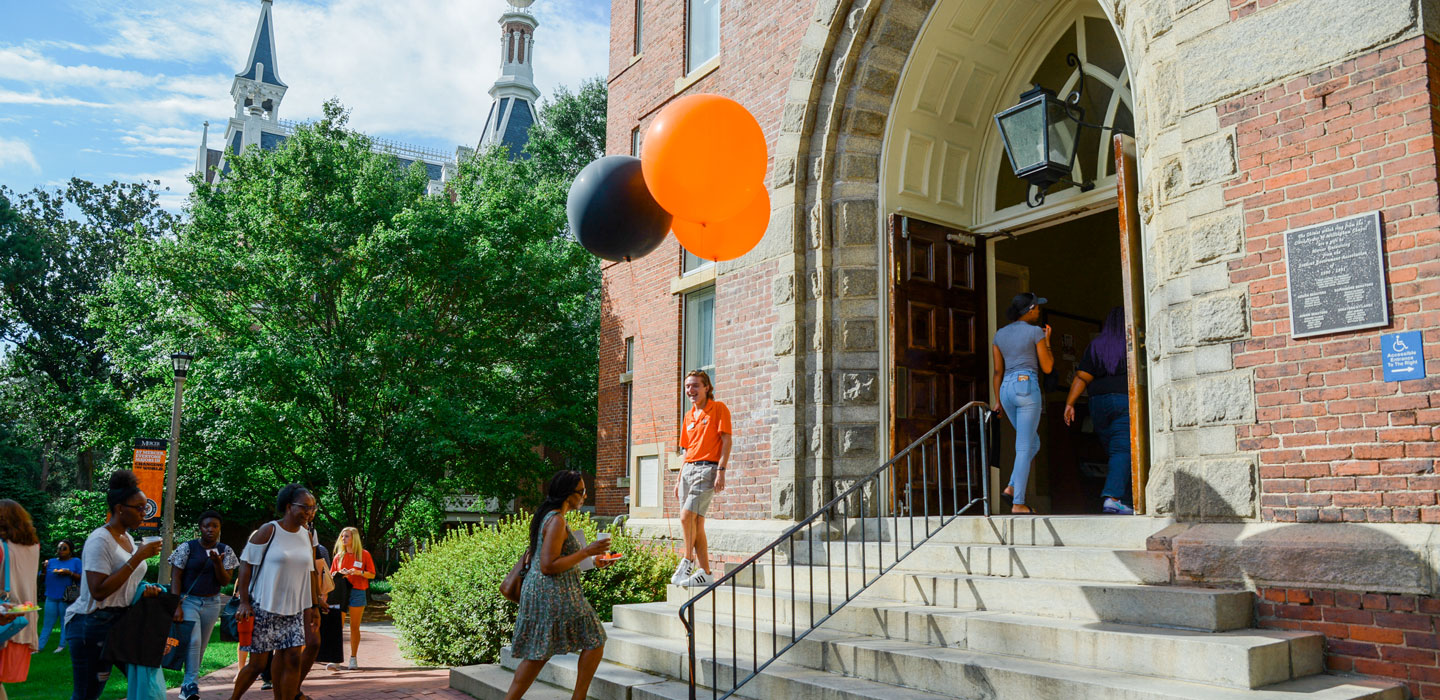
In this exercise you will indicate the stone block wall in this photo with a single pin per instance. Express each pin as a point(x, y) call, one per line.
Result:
point(1335, 441)
point(1392, 636)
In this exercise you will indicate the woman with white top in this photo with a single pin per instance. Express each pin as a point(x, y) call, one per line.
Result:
point(279, 587)
point(114, 566)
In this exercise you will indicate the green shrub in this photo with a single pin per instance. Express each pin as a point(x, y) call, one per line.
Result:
point(380, 587)
point(446, 600)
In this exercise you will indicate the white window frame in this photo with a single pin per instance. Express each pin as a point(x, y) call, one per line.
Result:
point(656, 451)
point(639, 28)
point(694, 61)
point(690, 338)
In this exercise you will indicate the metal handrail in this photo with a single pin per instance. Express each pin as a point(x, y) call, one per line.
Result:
point(830, 512)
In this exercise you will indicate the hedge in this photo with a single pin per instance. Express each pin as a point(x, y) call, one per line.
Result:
point(446, 599)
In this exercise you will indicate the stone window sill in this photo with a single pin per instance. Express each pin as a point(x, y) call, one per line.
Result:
point(704, 69)
point(702, 277)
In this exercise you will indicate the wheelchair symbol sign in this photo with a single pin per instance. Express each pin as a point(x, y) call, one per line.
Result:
point(1402, 356)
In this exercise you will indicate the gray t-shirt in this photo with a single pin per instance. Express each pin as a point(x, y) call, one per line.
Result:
point(1017, 344)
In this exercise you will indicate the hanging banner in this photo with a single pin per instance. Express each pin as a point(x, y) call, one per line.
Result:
point(149, 467)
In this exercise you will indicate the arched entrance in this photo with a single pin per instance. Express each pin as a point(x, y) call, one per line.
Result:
point(960, 239)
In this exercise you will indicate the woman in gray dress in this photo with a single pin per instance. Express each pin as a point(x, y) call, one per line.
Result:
point(554, 617)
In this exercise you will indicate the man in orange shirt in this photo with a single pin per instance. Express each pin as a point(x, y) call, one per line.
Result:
point(705, 439)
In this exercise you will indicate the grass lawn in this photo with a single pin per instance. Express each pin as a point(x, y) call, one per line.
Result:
point(50, 673)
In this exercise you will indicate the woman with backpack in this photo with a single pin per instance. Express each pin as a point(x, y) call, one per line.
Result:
point(199, 569)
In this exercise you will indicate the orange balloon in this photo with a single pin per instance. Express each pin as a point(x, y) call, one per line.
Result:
point(704, 158)
point(729, 239)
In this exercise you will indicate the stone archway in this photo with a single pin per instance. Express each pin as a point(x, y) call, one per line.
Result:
point(830, 338)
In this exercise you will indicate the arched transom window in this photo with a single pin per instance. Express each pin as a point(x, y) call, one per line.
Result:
point(1106, 100)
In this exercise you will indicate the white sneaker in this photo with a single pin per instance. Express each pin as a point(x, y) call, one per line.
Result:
point(701, 579)
point(353, 666)
point(683, 570)
point(60, 650)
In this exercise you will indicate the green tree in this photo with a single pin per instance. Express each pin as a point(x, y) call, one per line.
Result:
point(57, 248)
point(355, 334)
point(569, 133)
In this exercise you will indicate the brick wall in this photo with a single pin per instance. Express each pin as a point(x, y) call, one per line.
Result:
point(758, 43)
point(1336, 442)
point(1394, 636)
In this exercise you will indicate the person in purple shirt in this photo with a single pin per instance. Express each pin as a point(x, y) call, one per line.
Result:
point(61, 572)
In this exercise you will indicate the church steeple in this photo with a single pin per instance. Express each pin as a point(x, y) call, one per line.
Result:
point(257, 89)
point(515, 94)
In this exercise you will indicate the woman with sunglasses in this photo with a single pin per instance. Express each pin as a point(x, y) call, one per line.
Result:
point(114, 566)
point(279, 588)
point(1022, 353)
point(554, 617)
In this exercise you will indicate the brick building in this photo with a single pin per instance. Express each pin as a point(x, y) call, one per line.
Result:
point(1275, 459)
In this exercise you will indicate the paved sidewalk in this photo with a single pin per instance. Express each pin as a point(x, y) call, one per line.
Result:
point(384, 675)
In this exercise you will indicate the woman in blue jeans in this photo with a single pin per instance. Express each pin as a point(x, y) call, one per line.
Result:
point(1022, 353)
point(114, 567)
point(61, 572)
point(1103, 369)
point(199, 569)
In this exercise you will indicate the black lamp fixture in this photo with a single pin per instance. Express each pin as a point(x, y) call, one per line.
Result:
point(1042, 133)
point(181, 361)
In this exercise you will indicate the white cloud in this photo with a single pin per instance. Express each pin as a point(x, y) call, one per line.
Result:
point(15, 151)
point(28, 66)
point(34, 98)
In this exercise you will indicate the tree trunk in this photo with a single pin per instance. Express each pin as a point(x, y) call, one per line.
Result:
point(87, 468)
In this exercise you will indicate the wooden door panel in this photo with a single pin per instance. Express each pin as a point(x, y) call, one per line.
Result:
point(962, 270)
point(962, 332)
point(938, 308)
point(922, 326)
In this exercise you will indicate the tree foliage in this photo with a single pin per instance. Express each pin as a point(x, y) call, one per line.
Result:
point(57, 248)
point(355, 334)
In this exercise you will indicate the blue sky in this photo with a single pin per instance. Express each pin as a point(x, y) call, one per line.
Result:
point(118, 89)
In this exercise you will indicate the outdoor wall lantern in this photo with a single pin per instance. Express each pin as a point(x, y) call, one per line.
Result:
point(1041, 135)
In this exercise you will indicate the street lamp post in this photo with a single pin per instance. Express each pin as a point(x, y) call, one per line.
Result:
point(181, 362)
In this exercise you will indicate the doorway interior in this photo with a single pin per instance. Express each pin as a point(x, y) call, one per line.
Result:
point(1077, 266)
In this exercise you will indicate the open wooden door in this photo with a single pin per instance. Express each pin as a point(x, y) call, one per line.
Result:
point(937, 343)
point(1133, 281)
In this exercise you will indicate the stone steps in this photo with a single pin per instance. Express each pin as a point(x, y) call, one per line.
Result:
point(1242, 659)
point(881, 668)
point(1130, 532)
point(1185, 607)
point(1017, 561)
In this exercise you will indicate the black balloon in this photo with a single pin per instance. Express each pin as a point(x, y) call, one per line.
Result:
point(611, 211)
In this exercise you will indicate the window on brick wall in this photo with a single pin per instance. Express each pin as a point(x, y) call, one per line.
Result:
point(647, 481)
point(635, 142)
point(639, 27)
point(702, 33)
point(693, 263)
point(699, 336)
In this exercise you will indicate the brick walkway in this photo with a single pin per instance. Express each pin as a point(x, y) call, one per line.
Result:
point(384, 675)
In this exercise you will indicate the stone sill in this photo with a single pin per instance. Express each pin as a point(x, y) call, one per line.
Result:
point(626, 377)
point(702, 277)
point(704, 69)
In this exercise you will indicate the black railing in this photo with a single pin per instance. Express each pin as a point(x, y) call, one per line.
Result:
point(886, 496)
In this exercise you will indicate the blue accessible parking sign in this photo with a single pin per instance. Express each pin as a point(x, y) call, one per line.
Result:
point(1403, 356)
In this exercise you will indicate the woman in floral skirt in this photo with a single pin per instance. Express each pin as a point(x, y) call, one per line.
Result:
point(554, 617)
